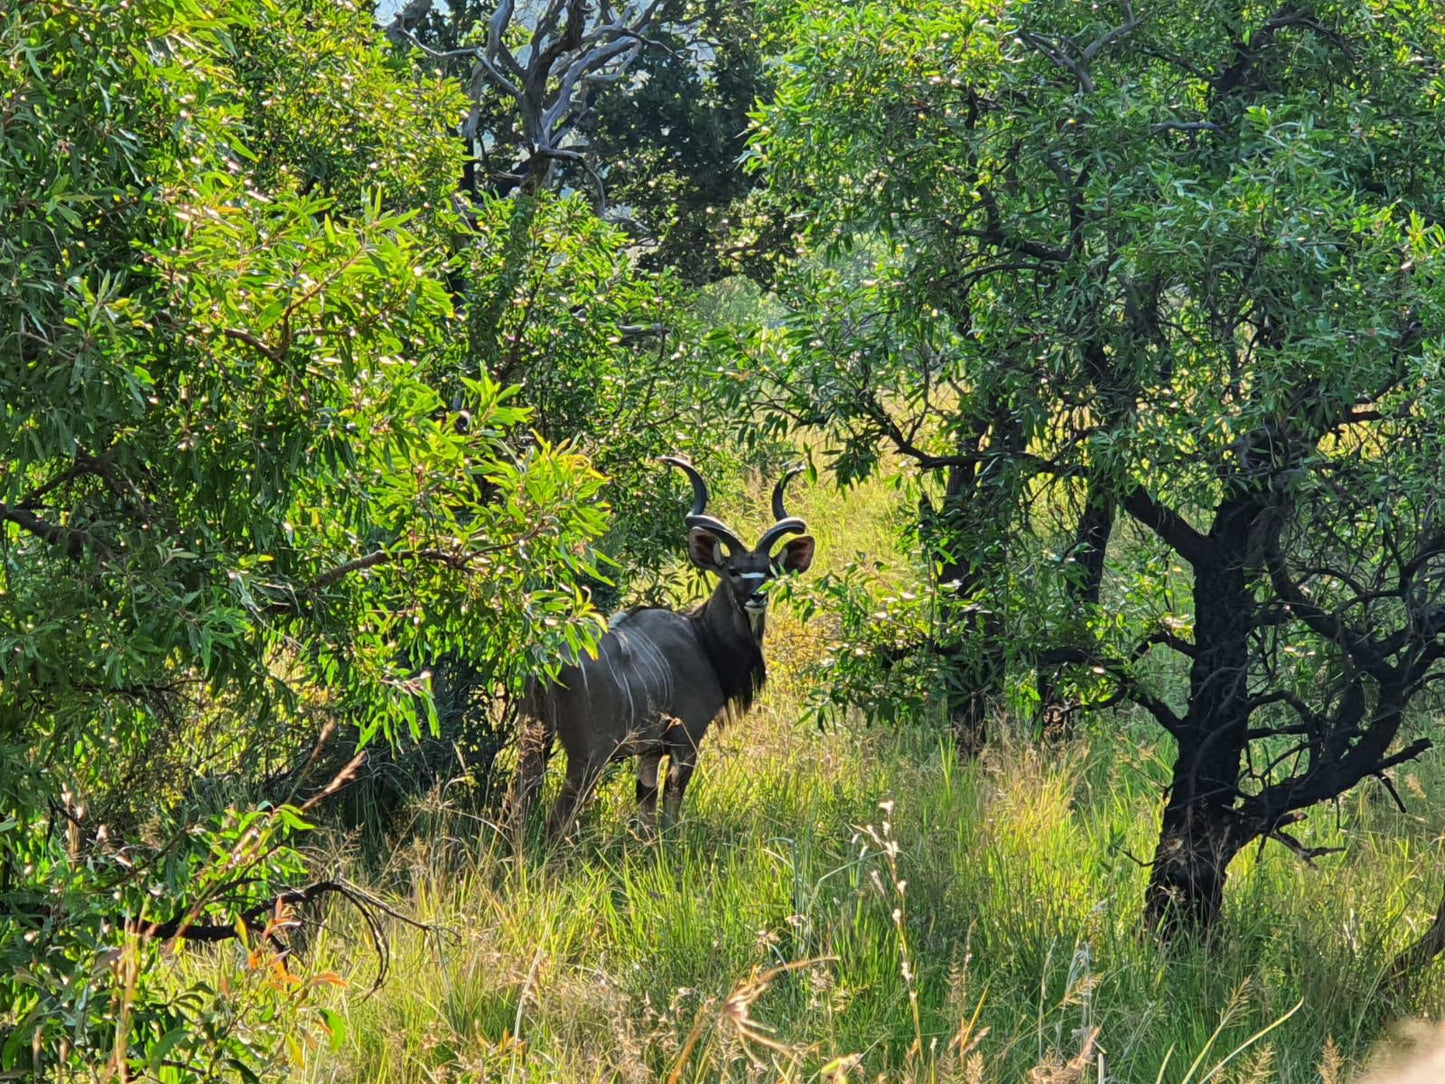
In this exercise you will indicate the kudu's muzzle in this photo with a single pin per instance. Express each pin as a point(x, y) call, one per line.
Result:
point(757, 600)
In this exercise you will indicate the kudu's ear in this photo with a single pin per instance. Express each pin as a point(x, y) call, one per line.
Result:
point(798, 554)
point(706, 550)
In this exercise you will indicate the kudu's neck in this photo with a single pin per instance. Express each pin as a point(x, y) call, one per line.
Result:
point(727, 618)
point(733, 644)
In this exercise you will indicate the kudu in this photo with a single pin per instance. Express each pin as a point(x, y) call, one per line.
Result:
point(661, 677)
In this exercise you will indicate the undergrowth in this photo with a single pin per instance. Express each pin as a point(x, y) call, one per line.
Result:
point(856, 904)
point(820, 885)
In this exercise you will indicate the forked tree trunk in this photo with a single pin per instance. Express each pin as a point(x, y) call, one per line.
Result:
point(1201, 832)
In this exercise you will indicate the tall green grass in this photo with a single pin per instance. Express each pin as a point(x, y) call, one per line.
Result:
point(1020, 904)
point(858, 905)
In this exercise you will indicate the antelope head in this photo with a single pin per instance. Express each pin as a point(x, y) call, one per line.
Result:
point(744, 573)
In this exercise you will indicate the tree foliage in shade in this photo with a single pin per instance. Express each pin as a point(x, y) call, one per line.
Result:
point(672, 142)
point(604, 351)
point(1180, 269)
point(557, 294)
point(228, 491)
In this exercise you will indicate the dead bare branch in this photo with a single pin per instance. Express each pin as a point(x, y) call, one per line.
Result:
point(257, 918)
point(569, 48)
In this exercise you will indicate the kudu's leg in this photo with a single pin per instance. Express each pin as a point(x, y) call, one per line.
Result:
point(681, 763)
point(534, 749)
point(581, 781)
point(647, 765)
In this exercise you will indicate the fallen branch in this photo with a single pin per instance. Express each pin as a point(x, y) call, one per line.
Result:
point(255, 920)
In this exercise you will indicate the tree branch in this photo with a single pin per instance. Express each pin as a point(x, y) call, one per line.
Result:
point(1184, 126)
point(1237, 74)
point(72, 540)
point(993, 234)
point(1307, 855)
point(1168, 524)
point(256, 920)
point(31, 500)
point(1164, 638)
point(496, 48)
point(472, 52)
point(1326, 625)
point(1162, 712)
point(1055, 52)
point(458, 561)
point(1109, 37)
point(461, 561)
point(270, 353)
point(1265, 809)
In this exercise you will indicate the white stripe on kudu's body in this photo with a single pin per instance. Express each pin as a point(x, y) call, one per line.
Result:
point(661, 677)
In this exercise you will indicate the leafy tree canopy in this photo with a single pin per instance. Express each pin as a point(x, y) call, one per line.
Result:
point(1184, 267)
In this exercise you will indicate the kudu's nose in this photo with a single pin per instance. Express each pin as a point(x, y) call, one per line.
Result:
point(757, 599)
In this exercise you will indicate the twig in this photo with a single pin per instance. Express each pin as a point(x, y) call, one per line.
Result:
point(1184, 126)
point(370, 908)
point(1307, 855)
point(1389, 785)
point(241, 336)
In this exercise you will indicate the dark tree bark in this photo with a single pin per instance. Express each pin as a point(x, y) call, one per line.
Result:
point(1091, 541)
point(1210, 814)
point(1200, 833)
point(977, 683)
point(1419, 955)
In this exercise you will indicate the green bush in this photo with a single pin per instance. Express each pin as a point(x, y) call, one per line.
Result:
point(230, 504)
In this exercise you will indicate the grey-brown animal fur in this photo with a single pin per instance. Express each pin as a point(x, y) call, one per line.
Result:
point(661, 677)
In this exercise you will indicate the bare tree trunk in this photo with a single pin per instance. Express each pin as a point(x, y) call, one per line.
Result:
point(1201, 832)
